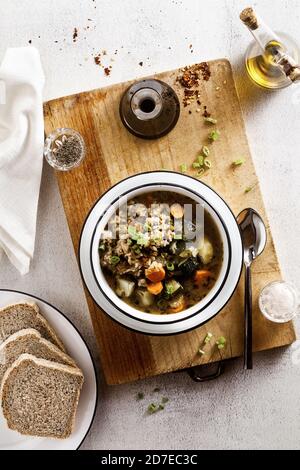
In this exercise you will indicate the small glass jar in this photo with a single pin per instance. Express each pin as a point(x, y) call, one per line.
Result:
point(64, 149)
point(279, 302)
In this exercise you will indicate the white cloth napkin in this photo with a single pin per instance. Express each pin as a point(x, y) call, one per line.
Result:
point(21, 152)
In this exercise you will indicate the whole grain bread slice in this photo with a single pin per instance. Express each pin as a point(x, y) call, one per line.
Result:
point(40, 397)
point(16, 317)
point(30, 341)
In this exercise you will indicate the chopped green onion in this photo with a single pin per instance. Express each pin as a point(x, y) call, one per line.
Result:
point(153, 408)
point(183, 168)
point(161, 406)
point(214, 135)
point(140, 396)
point(102, 247)
point(164, 400)
point(136, 249)
point(221, 342)
point(210, 120)
point(170, 266)
point(247, 190)
point(239, 162)
point(207, 163)
point(200, 172)
point(200, 160)
point(156, 390)
point(132, 232)
point(196, 165)
point(114, 260)
point(205, 151)
point(207, 338)
point(201, 352)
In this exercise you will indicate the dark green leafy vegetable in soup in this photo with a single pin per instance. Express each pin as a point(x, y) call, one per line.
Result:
point(153, 266)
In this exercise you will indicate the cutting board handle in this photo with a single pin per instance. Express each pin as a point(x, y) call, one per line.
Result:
point(197, 375)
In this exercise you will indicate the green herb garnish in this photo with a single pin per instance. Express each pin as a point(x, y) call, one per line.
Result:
point(153, 408)
point(102, 247)
point(210, 120)
point(201, 352)
point(207, 163)
point(200, 172)
point(214, 135)
point(183, 168)
point(196, 165)
point(114, 260)
point(164, 400)
point(137, 249)
point(247, 190)
point(221, 342)
point(140, 396)
point(207, 338)
point(200, 160)
point(161, 406)
point(156, 390)
point(170, 266)
point(239, 162)
point(139, 237)
point(205, 151)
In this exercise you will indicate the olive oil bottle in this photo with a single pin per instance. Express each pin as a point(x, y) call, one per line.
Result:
point(271, 60)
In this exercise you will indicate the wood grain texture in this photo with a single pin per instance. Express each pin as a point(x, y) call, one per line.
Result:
point(113, 154)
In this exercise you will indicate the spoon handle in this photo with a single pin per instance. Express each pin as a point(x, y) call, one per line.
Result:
point(248, 320)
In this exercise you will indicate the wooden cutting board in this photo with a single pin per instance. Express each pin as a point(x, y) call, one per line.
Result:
point(113, 154)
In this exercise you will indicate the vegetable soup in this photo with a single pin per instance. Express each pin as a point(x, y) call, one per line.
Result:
point(167, 258)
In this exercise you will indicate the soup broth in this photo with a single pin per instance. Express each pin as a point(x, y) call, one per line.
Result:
point(154, 267)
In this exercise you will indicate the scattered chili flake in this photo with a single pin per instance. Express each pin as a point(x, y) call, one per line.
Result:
point(141, 64)
point(30, 41)
point(75, 34)
point(107, 71)
point(190, 81)
point(205, 70)
point(206, 114)
point(97, 59)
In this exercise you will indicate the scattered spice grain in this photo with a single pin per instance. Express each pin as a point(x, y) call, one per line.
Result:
point(75, 34)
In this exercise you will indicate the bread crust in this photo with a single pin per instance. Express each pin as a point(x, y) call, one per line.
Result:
point(34, 307)
point(28, 334)
point(21, 362)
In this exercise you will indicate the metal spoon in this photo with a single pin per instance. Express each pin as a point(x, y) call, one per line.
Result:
point(254, 236)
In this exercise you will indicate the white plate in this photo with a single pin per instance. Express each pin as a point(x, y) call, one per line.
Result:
point(76, 347)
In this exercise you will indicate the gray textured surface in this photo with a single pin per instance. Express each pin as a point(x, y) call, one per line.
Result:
point(258, 409)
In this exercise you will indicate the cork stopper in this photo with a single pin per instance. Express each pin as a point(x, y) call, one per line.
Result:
point(290, 69)
point(249, 18)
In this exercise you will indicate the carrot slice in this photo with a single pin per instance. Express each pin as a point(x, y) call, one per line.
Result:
point(155, 274)
point(202, 275)
point(155, 288)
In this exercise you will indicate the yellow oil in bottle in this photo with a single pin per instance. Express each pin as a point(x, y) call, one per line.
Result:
point(263, 69)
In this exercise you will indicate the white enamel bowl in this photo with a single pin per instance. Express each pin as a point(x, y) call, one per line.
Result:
point(123, 313)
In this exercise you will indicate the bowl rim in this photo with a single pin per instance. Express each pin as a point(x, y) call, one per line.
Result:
point(152, 317)
point(135, 325)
